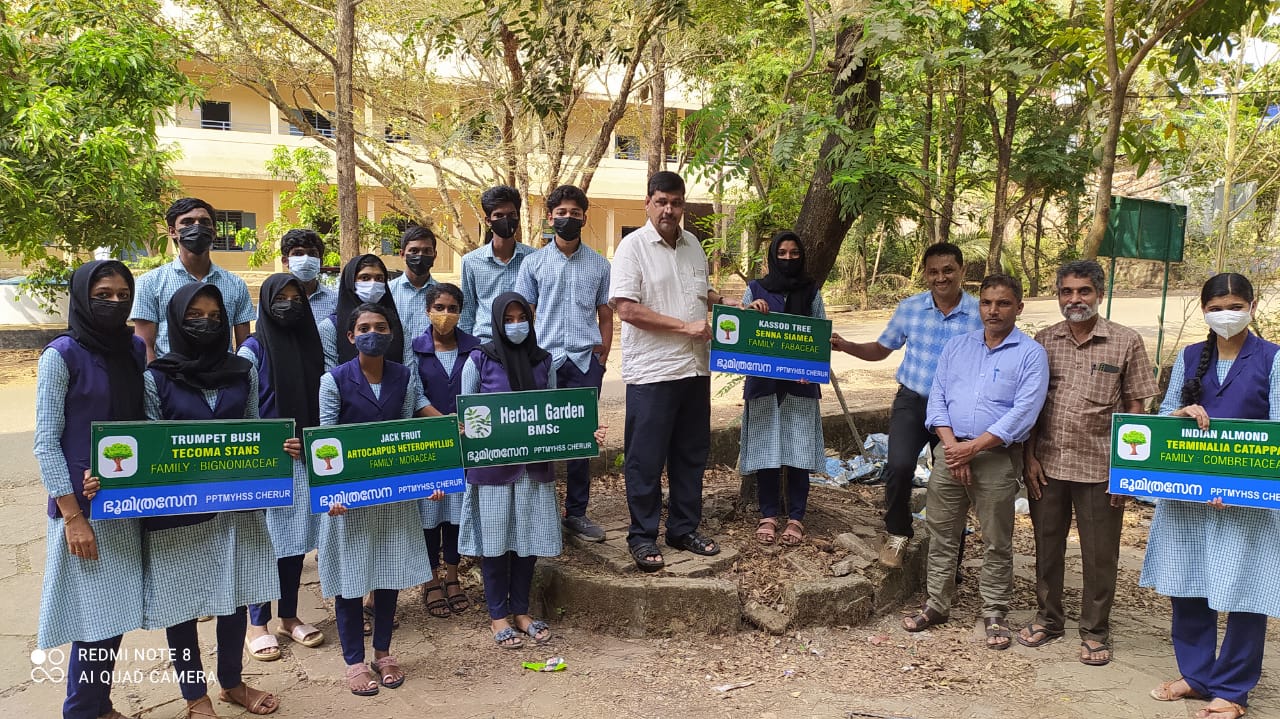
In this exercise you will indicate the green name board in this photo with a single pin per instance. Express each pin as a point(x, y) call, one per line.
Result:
point(776, 345)
point(521, 427)
point(150, 469)
point(1235, 460)
point(357, 465)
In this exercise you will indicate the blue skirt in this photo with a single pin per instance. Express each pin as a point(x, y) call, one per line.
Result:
point(85, 600)
point(208, 569)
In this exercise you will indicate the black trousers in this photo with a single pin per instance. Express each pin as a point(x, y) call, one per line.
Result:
point(668, 425)
point(907, 436)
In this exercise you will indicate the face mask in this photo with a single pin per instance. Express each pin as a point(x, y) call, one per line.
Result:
point(373, 344)
point(789, 267)
point(204, 331)
point(370, 291)
point(109, 313)
point(305, 267)
point(1228, 323)
point(197, 238)
point(287, 311)
point(419, 264)
point(444, 322)
point(505, 227)
point(517, 332)
point(568, 228)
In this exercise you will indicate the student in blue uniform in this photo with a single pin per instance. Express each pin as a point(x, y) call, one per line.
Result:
point(782, 421)
point(93, 568)
point(510, 515)
point(364, 279)
point(207, 564)
point(288, 361)
point(440, 354)
point(378, 549)
point(1207, 557)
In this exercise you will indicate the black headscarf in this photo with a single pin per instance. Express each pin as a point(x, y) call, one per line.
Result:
point(798, 287)
point(114, 344)
point(207, 367)
point(348, 301)
point(518, 359)
point(296, 357)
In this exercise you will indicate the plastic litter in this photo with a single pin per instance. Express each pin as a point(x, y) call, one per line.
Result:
point(731, 687)
point(1021, 506)
point(554, 664)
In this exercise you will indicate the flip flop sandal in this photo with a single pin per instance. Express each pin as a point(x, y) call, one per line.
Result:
point(359, 677)
point(264, 648)
point(537, 627)
point(767, 531)
point(460, 602)
point(382, 666)
point(438, 608)
point(790, 538)
point(255, 704)
point(506, 635)
point(1047, 637)
point(304, 634)
point(1164, 692)
point(1230, 711)
point(641, 553)
point(996, 629)
point(925, 618)
point(1094, 650)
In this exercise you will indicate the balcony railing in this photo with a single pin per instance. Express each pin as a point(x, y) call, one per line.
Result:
point(222, 125)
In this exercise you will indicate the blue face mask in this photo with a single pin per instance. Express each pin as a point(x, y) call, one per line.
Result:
point(517, 332)
point(373, 344)
point(305, 267)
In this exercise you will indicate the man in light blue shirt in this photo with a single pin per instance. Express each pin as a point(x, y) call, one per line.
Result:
point(191, 227)
point(987, 394)
point(491, 270)
point(568, 285)
point(409, 291)
point(924, 323)
point(303, 253)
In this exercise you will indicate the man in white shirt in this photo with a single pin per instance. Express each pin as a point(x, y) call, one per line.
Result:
point(660, 292)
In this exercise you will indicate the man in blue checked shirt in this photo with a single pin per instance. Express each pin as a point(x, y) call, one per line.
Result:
point(568, 285)
point(409, 291)
point(924, 323)
point(490, 270)
point(987, 393)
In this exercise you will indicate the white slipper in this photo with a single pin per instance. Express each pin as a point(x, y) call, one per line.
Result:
point(265, 648)
point(300, 634)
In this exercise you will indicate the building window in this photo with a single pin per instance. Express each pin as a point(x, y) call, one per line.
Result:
point(215, 115)
point(317, 120)
point(627, 147)
point(228, 223)
point(395, 132)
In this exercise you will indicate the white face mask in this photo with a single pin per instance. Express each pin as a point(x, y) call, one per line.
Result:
point(1228, 323)
point(370, 291)
point(304, 267)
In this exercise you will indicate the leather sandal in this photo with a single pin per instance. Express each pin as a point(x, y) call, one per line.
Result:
point(641, 553)
point(361, 681)
point(996, 628)
point(202, 707)
point(925, 618)
point(438, 607)
point(460, 602)
point(1165, 692)
point(767, 531)
point(1230, 711)
point(255, 700)
point(696, 543)
point(388, 667)
point(793, 535)
point(1032, 631)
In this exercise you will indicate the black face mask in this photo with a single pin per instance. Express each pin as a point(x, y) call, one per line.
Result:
point(197, 238)
point(568, 228)
point(287, 311)
point(505, 227)
point(109, 313)
point(419, 264)
point(204, 331)
point(789, 268)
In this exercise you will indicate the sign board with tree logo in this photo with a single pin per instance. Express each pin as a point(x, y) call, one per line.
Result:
point(501, 428)
point(1235, 460)
point(776, 345)
point(357, 465)
point(152, 469)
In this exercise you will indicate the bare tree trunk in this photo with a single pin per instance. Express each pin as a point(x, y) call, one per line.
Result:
point(927, 218)
point(657, 108)
point(953, 160)
point(1035, 281)
point(1228, 182)
point(1003, 137)
point(823, 221)
point(345, 133)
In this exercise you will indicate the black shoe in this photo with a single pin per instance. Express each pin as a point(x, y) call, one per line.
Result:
point(584, 528)
point(695, 543)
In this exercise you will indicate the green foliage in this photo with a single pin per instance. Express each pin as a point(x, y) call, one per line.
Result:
point(80, 167)
point(119, 450)
point(1133, 437)
point(728, 325)
point(326, 452)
